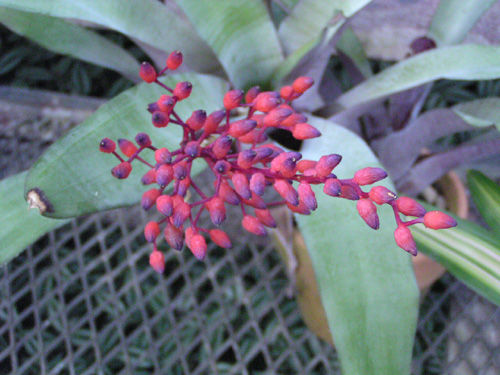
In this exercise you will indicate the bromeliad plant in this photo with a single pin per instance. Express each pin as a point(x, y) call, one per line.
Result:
point(220, 142)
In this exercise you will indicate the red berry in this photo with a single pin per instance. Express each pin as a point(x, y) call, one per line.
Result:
point(410, 207)
point(252, 94)
point(107, 145)
point(122, 170)
point(287, 93)
point(192, 149)
point(160, 119)
point(151, 231)
point(254, 136)
point(253, 225)
point(217, 210)
point(228, 194)
point(149, 198)
point(157, 261)
point(305, 164)
point(369, 175)
point(143, 140)
point(166, 103)
point(241, 127)
point(126, 147)
point(302, 84)
point(232, 99)
point(165, 205)
point(222, 166)
point(255, 201)
point(241, 185)
point(276, 116)
point(183, 186)
point(213, 120)
point(183, 90)
point(258, 183)
point(163, 156)
point(294, 119)
point(198, 246)
point(246, 158)
point(174, 236)
point(221, 146)
point(332, 187)
point(326, 164)
point(286, 190)
point(174, 60)
point(381, 195)
point(220, 238)
point(265, 217)
point(300, 209)
point(197, 119)
point(438, 220)
point(368, 213)
point(304, 131)
point(404, 239)
point(306, 195)
point(180, 214)
point(147, 72)
point(149, 177)
point(266, 101)
point(164, 175)
point(348, 192)
point(180, 170)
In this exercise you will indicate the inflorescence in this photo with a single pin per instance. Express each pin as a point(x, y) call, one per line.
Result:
point(244, 165)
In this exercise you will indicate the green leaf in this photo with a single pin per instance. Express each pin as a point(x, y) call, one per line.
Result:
point(242, 35)
point(453, 19)
point(468, 252)
point(18, 226)
point(465, 62)
point(486, 195)
point(366, 282)
point(69, 39)
point(148, 21)
point(75, 177)
point(480, 112)
point(310, 17)
point(350, 45)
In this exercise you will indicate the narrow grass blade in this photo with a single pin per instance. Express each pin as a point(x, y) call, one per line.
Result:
point(486, 195)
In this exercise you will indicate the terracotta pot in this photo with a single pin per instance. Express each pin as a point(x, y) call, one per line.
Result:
point(300, 268)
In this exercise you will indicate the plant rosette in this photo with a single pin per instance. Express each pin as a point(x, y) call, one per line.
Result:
point(448, 192)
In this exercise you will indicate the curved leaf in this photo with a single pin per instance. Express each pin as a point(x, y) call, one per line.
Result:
point(366, 282)
point(18, 226)
point(242, 35)
point(310, 17)
point(486, 195)
point(453, 19)
point(467, 62)
point(480, 112)
point(69, 39)
point(75, 177)
point(146, 20)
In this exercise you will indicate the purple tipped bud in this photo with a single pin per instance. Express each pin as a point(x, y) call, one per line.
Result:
point(369, 175)
point(326, 164)
point(368, 213)
point(306, 195)
point(143, 140)
point(332, 187)
point(193, 149)
point(222, 166)
point(258, 183)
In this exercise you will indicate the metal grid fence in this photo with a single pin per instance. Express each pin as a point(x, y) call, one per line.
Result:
point(83, 300)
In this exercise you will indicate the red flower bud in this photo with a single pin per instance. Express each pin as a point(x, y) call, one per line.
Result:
point(348, 192)
point(149, 198)
point(241, 185)
point(147, 72)
point(164, 175)
point(160, 119)
point(107, 145)
point(165, 205)
point(404, 239)
point(174, 60)
point(143, 140)
point(163, 156)
point(287, 93)
point(183, 186)
point(304, 131)
point(332, 187)
point(410, 207)
point(217, 210)
point(153, 107)
point(381, 195)
point(300, 209)
point(255, 201)
point(293, 156)
point(213, 120)
point(197, 120)
point(222, 166)
point(220, 238)
point(221, 146)
point(227, 194)
point(122, 170)
point(266, 101)
point(258, 183)
point(252, 94)
point(305, 164)
point(326, 164)
point(369, 175)
point(246, 158)
point(265, 217)
point(198, 246)
point(241, 127)
point(276, 116)
point(286, 190)
point(157, 261)
point(174, 236)
point(232, 99)
point(306, 195)
point(151, 231)
point(180, 170)
point(166, 103)
point(192, 149)
point(438, 220)
point(183, 90)
point(253, 225)
point(180, 214)
point(368, 213)
point(294, 119)
point(126, 147)
point(253, 137)
point(302, 84)
point(149, 177)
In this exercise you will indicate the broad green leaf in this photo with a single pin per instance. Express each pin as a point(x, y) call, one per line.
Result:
point(486, 195)
point(69, 39)
point(467, 62)
point(480, 112)
point(149, 21)
point(453, 19)
point(242, 35)
point(468, 252)
point(75, 177)
point(18, 226)
point(310, 17)
point(366, 282)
